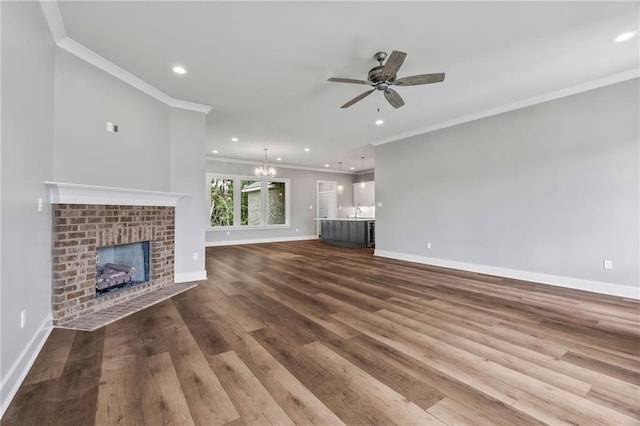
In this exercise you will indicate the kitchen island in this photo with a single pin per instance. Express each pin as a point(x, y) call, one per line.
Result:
point(353, 232)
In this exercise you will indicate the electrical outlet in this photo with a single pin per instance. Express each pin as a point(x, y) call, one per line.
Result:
point(40, 205)
point(428, 245)
point(607, 264)
point(195, 256)
point(23, 318)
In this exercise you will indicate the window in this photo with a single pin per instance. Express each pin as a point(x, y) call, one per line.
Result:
point(276, 203)
point(221, 201)
point(250, 202)
point(260, 202)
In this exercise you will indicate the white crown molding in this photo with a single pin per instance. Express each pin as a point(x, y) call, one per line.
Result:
point(54, 20)
point(98, 61)
point(191, 106)
point(595, 84)
point(74, 193)
point(52, 15)
point(283, 165)
point(632, 292)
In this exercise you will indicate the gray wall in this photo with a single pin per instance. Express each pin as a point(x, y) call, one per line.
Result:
point(367, 176)
point(27, 128)
point(84, 152)
point(550, 189)
point(303, 194)
point(187, 129)
point(156, 148)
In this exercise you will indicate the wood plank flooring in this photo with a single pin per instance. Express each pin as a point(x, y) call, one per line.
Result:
point(309, 334)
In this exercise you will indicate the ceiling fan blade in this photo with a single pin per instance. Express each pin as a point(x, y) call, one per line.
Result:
point(393, 64)
point(415, 80)
point(347, 80)
point(394, 98)
point(358, 98)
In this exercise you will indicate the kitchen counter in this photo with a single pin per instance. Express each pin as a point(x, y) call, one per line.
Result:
point(349, 219)
point(353, 232)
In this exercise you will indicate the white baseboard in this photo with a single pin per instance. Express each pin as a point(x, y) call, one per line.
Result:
point(260, 240)
point(185, 277)
point(556, 280)
point(11, 383)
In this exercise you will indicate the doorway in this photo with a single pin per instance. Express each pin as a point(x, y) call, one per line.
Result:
point(326, 201)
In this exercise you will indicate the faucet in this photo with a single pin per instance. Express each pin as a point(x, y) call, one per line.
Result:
point(358, 210)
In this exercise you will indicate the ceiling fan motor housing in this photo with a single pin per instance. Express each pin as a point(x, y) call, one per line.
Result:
point(375, 76)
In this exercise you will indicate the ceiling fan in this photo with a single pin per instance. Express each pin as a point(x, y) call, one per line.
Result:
point(383, 77)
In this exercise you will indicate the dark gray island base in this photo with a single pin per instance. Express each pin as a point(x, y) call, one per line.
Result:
point(348, 232)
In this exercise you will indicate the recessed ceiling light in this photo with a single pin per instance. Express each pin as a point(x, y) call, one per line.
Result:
point(352, 168)
point(307, 149)
point(626, 36)
point(379, 121)
point(215, 151)
point(327, 165)
point(234, 139)
point(179, 70)
point(279, 159)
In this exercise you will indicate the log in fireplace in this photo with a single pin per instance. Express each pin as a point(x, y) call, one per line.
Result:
point(121, 266)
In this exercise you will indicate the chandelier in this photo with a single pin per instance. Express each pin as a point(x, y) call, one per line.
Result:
point(265, 170)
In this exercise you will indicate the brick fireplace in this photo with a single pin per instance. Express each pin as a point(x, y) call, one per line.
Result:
point(96, 218)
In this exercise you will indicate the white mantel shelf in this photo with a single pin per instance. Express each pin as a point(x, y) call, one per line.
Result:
point(74, 193)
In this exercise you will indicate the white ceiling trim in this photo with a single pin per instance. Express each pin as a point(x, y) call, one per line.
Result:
point(52, 15)
point(281, 165)
point(177, 103)
point(606, 81)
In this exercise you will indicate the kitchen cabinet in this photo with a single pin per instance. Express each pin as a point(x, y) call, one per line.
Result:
point(356, 234)
point(326, 229)
point(366, 198)
point(352, 232)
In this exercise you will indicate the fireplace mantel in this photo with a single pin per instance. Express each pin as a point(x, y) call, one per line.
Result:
point(74, 193)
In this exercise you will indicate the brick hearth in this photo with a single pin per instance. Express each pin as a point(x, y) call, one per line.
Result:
point(79, 228)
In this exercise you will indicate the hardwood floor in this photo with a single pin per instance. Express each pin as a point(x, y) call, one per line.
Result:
point(309, 334)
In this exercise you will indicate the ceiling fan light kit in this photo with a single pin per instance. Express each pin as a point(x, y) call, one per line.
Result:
point(382, 77)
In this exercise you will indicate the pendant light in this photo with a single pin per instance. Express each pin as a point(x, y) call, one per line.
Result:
point(339, 188)
point(362, 184)
point(265, 170)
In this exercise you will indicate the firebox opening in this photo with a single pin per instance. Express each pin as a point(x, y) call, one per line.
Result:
point(121, 266)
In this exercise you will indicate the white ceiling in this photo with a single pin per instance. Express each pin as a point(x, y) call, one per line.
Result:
point(263, 66)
